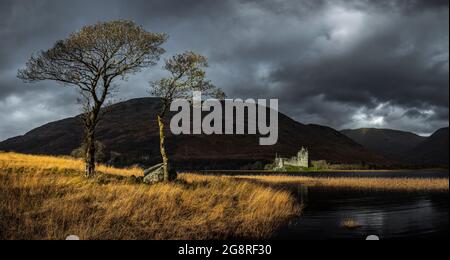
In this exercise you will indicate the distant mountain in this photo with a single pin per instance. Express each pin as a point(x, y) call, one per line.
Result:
point(433, 151)
point(405, 147)
point(390, 143)
point(130, 134)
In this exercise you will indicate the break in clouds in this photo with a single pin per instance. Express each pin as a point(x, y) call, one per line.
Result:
point(344, 64)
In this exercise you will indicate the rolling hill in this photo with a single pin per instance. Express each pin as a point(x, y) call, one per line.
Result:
point(405, 147)
point(433, 151)
point(390, 143)
point(130, 133)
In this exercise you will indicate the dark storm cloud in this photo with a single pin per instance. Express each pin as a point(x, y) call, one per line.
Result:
point(386, 58)
point(342, 63)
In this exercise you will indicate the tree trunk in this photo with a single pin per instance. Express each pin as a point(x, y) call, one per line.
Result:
point(90, 153)
point(162, 148)
point(91, 124)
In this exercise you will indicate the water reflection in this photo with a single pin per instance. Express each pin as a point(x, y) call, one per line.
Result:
point(389, 215)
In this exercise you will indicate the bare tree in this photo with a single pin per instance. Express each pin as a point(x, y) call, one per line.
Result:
point(92, 59)
point(187, 74)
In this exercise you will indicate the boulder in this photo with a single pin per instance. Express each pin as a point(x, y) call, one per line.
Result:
point(155, 174)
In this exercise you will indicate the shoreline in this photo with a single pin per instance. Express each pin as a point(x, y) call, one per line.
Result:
point(356, 183)
point(299, 173)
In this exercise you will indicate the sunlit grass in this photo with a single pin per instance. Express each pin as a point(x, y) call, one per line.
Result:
point(350, 224)
point(394, 184)
point(48, 198)
point(38, 162)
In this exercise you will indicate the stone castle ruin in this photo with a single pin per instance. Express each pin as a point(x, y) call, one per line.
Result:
point(301, 160)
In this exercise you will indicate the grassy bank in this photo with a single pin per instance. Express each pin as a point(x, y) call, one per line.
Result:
point(47, 198)
point(387, 184)
point(17, 162)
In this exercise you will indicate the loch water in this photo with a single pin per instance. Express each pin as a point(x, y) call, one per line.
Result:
point(388, 215)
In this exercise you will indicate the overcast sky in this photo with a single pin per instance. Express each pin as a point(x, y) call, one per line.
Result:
point(340, 63)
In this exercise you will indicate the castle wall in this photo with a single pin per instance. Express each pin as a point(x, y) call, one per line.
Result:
point(302, 160)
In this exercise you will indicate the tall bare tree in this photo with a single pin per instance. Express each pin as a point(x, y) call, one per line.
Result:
point(91, 60)
point(187, 74)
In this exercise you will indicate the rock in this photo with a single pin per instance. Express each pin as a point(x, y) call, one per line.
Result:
point(155, 174)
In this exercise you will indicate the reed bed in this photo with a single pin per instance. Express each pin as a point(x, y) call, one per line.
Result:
point(385, 184)
point(350, 223)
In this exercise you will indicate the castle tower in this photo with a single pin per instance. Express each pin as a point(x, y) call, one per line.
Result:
point(303, 158)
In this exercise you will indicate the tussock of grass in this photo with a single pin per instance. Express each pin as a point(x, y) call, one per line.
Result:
point(47, 198)
point(350, 224)
point(387, 184)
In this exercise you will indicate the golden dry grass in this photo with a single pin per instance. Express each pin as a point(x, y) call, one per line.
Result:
point(38, 162)
point(48, 198)
point(387, 184)
point(350, 224)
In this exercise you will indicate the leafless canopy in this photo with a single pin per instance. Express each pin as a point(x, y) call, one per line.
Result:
point(96, 55)
point(187, 74)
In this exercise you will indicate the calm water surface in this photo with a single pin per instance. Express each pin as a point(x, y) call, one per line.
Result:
point(389, 215)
